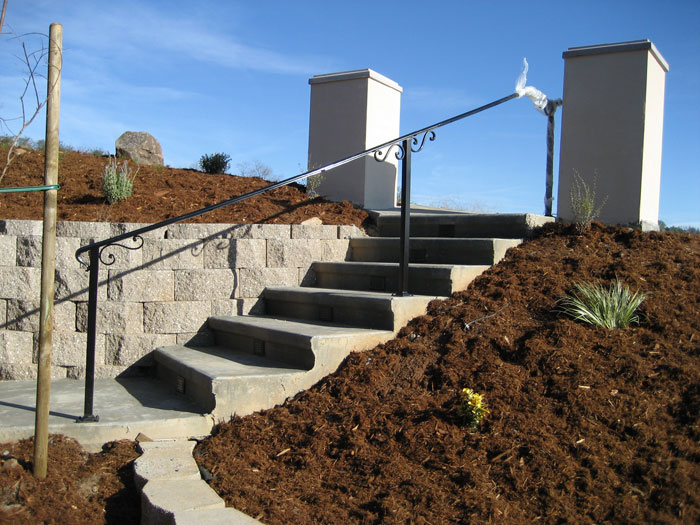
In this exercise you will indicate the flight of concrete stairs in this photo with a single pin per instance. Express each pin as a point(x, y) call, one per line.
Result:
point(306, 332)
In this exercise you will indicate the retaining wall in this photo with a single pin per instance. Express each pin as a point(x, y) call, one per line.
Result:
point(160, 294)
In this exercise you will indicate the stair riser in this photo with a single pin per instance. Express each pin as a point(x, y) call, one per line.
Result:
point(380, 319)
point(433, 251)
point(464, 225)
point(381, 278)
point(298, 356)
point(196, 387)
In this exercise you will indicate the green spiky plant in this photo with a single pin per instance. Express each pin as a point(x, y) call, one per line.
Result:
point(583, 207)
point(609, 307)
point(117, 181)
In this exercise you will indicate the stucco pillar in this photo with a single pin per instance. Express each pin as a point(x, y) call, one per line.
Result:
point(612, 128)
point(351, 112)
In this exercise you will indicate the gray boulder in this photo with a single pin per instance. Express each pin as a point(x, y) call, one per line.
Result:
point(140, 147)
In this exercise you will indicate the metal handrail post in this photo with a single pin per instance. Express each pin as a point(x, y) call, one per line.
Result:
point(88, 415)
point(404, 243)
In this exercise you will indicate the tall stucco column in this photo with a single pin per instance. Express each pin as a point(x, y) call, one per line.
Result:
point(351, 112)
point(612, 128)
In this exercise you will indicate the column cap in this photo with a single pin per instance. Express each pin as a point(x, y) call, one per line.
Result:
point(618, 47)
point(352, 75)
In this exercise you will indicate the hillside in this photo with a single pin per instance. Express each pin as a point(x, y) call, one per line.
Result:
point(585, 425)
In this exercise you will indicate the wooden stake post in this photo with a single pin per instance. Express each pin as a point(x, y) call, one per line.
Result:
point(48, 266)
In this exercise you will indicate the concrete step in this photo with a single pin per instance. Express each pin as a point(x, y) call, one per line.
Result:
point(455, 224)
point(219, 378)
point(432, 251)
point(424, 279)
point(259, 361)
point(378, 310)
point(301, 344)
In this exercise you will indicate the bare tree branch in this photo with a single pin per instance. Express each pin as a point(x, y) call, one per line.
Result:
point(31, 61)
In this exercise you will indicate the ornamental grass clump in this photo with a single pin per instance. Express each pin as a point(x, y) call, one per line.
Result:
point(117, 181)
point(612, 307)
point(472, 408)
point(583, 203)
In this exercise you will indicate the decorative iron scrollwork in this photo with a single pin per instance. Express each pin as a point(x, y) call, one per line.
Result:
point(430, 134)
point(109, 259)
point(381, 156)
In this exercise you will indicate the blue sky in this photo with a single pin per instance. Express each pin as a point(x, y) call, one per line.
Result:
point(232, 76)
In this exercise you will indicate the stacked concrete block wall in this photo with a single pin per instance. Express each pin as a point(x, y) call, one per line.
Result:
point(160, 294)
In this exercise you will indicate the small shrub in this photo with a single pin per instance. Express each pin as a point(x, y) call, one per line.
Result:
point(257, 169)
point(117, 181)
point(472, 408)
point(313, 183)
point(214, 163)
point(583, 207)
point(612, 307)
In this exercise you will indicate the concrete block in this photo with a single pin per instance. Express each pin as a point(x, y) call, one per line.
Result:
point(207, 231)
point(235, 253)
point(348, 232)
point(124, 350)
point(20, 283)
point(252, 306)
point(283, 253)
point(21, 228)
point(83, 230)
point(269, 231)
point(238, 307)
point(15, 372)
point(194, 285)
point(177, 254)
point(29, 251)
point(226, 307)
point(69, 349)
point(338, 250)
point(73, 284)
point(307, 277)
point(161, 499)
point(252, 281)
point(16, 347)
point(112, 317)
point(119, 256)
point(101, 371)
point(175, 317)
point(314, 231)
point(24, 315)
point(119, 228)
point(8, 250)
point(196, 339)
point(227, 516)
point(169, 460)
point(142, 285)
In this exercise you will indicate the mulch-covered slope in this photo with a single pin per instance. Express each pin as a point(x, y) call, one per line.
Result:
point(79, 489)
point(160, 193)
point(586, 425)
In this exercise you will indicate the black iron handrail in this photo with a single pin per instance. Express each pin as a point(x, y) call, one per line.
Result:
point(405, 144)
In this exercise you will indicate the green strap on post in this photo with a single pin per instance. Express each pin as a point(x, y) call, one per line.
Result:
point(30, 188)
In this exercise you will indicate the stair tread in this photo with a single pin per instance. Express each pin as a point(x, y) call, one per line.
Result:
point(454, 240)
point(217, 362)
point(292, 327)
point(427, 266)
point(339, 292)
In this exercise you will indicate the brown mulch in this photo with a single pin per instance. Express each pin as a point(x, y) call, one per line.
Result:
point(161, 193)
point(79, 488)
point(586, 425)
